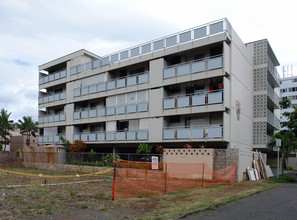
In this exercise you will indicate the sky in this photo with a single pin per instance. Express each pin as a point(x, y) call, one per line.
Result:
point(34, 32)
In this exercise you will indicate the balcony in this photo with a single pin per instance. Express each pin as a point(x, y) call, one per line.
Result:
point(52, 77)
point(192, 100)
point(272, 95)
point(193, 67)
point(52, 98)
point(112, 136)
point(190, 35)
point(273, 120)
point(113, 110)
point(51, 139)
point(113, 84)
point(52, 118)
point(273, 70)
point(182, 133)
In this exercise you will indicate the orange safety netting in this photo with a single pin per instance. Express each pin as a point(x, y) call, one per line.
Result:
point(132, 178)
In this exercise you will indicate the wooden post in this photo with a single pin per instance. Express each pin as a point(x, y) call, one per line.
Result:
point(114, 179)
point(165, 177)
point(203, 176)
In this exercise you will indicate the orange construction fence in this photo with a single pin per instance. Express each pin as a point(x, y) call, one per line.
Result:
point(133, 178)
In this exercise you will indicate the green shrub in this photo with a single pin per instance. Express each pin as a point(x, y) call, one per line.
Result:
point(281, 179)
point(289, 168)
point(108, 159)
point(144, 149)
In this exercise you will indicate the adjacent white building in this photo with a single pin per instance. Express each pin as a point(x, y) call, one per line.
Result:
point(288, 90)
point(201, 86)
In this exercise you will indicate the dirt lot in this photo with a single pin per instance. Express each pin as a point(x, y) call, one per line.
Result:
point(26, 197)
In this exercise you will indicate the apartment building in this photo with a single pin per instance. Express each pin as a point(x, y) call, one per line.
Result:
point(201, 86)
point(288, 90)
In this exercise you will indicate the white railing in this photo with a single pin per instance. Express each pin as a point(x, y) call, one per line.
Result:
point(112, 136)
point(197, 99)
point(53, 76)
point(182, 37)
point(273, 70)
point(272, 119)
point(111, 110)
point(272, 94)
point(52, 118)
point(52, 97)
point(190, 133)
point(50, 139)
point(112, 84)
point(209, 63)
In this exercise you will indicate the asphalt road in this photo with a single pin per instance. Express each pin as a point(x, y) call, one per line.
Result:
point(279, 203)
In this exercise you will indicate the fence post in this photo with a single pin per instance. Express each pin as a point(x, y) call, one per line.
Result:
point(114, 179)
point(165, 177)
point(203, 176)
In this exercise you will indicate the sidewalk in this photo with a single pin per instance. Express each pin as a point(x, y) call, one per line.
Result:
point(278, 203)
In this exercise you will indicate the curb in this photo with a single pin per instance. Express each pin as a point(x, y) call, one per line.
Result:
point(216, 205)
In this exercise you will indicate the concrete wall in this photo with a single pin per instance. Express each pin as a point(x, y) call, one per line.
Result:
point(40, 154)
point(215, 159)
point(241, 79)
point(10, 159)
point(292, 162)
point(17, 142)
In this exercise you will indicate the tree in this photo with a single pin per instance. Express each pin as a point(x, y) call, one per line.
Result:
point(288, 136)
point(66, 143)
point(6, 126)
point(78, 146)
point(28, 127)
point(144, 149)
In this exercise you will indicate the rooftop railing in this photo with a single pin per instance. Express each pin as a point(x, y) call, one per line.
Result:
point(179, 38)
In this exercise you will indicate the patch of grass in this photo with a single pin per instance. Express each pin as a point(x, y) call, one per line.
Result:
point(84, 206)
point(100, 194)
point(289, 168)
point(57, 196)
point(281, 179)
point(24, 211)
point(1, 204)
point(139, 196)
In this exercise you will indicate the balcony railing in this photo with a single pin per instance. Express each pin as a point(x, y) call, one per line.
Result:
point(272, 69)
point(186, 36)
point(272, 119)
point(50, 139)
point(52, 98)
point(107, 136)
point(53, 76)
point(272, 94)
point(52, 118)
point(182, 133)
point(191, 100)
point(113, 110)
point(113, 84)
point(192, 67)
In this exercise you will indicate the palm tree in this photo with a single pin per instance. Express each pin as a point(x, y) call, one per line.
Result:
point(6, 125)
point(28, 127)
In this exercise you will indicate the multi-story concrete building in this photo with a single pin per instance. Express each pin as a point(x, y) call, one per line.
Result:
point(201, 86)
point(288, 90)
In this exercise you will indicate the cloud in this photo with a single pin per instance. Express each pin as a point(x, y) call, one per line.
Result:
point(35, 32)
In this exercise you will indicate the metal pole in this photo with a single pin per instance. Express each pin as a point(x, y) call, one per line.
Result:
point(278, 162)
